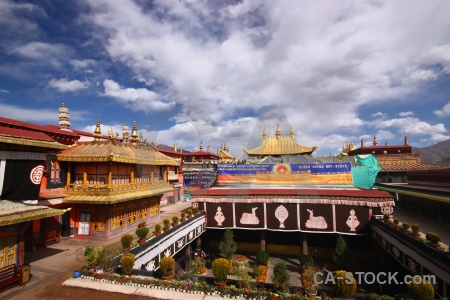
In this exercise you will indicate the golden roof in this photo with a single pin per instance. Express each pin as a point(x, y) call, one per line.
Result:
point(279, 146)
point(223, 154)
point(110, 151)
point(23, 213)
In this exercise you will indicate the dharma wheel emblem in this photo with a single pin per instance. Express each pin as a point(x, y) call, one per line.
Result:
point(281, 213)
point(387, 210)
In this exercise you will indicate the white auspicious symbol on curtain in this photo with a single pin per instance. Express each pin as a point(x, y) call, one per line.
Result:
point(219, 217)
point(352, 221)
point(281, 213)
point(315, 222)
point(250, 218)
point(150, 265)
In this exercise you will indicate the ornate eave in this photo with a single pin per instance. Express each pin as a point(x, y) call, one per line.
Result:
point(24, 214)
point(31, 143)
point(113, 198)
point(418, 194)
point(109, 151)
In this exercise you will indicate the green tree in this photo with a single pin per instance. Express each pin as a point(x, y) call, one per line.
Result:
point(227, 246)
point(342, 256)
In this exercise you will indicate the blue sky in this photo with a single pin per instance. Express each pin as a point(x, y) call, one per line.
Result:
point(221, 71)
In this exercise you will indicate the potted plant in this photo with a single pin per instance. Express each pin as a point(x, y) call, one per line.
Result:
point(281, 280)
point(183, 216)
point(227, 246)
point(220, 268)
point(433, 238)
point(157, 229)
point(308, 279)
point(126, 240)
point(127, 263)
point(108, 259)
point(422, 290)
point(142, 233)
point(386, 218)
point(305, 260)
point(405, 227)
point(189, 213)
point(166, 223)
point(195, 210)
point(343, 285)
point(396, 222)
point(93, 257)
point(415, 230)
point(167, 267)
point(256, 272)
point(262, 258)
point(175, 220)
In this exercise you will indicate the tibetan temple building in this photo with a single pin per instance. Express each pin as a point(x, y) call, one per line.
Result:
point(313, 197)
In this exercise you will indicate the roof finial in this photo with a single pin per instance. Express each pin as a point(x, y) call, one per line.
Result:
point(375, 142)
point(64, 117)
point(208, 149)
point(406, 140)
point(362, 142)
point(201, 145)
point(278, 132)
point(125, 133)
point(264, 133)
point(141, 139)
point(175, 147)
point(291, 133)
point(134, 134)
point(97, 131)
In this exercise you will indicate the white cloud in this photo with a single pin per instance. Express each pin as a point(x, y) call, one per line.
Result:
point(64, 85)
point(379, 114)
point(136, 99)
point(411, 125)
point(4, 91)
point(406, 114)
point(444, 112)
point(28, 115)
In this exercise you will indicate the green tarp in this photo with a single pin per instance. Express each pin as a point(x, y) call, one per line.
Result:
point(365, 171)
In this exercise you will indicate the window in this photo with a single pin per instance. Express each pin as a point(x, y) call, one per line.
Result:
point(117, 219)
point(98, 222)
point(7, 251)
point(132, 215)
point(154, 208)
point(143, 212)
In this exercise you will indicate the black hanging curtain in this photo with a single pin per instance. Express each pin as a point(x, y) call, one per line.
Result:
point(20, 179)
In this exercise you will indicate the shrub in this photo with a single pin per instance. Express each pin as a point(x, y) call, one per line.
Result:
point(342, 256)
point(93, 256)
point(405, 226)
point(433, 238)
point(227, 246)
point(108, 258)
point(197, 266)
point(220, 268)
point(166, 222)
point(189, 212)
point(262, 258)
point(126, 240)
point(175, 219)
point(415, 228)
point(142, 232)
point(420, 291)
point(195, 210)
point(396, 221)
point(386, 217)
point(306, 259)
point(167, 266)
point(157, 227)
point(127, 263)
point(342, 285)
point(281, 280)
point(255, 271)
point(380, 297)
point(309, 281)
point(183, 215)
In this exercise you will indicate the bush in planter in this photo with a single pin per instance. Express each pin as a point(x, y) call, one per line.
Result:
point(405, 226)
point(227, 246)
point(195, 210)
point(396, 222)
point(197, 266)
point(220, 268)
point(142, 232)
point(157, 227)
point(415, 229)
point(262, 258)
point(108, 259)
point(175, 220)
point(420, 291)
point(433, 238)
point(167, 266)
point(281, 280)
point(126, 240)
point(386, 218)
point(255, 271)
point(342, 285)
point(305, 260)
point(166, 223)
point(183, 217)
point(93, 256)
point(189, 213)
point(127, 263)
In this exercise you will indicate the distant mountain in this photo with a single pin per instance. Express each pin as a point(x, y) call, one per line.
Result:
point(437, 153)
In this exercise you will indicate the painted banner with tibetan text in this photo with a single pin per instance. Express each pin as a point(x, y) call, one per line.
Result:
point(333, 173)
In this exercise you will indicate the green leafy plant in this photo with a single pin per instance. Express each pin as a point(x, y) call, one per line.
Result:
point(93, 255)
point(240, 271)
point(386, 217)
point(157, 227)
point(183, 216)
point(405, 226)
point(142, 232)
point(281, 280)
point(420, 291)
point(189, 212)
point(396, 222)
point(433, 238)
point(228, 246)
point(415, 229)
point(106, 263)
point(126, 240)
point(255, 271)
point(342, 285)
point(342, 256)
point(166, 222)
point(167, 266)
point(262, 258)
point(197, 265)
point(195, 210)
point(175, 219)
point(221, 269)
point(127, 263)
point(305, 259)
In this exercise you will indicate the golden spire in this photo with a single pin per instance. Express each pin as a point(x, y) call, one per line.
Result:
point(181, 149)
point(141, 139)
point(64, 117)
point(97, 131)
point(362, 142)
point(264, 133)
point(134, 134)
point(291, 133)
point(221, 146)
point(175, 147)
point(406, 140)
point(375, 142)
point(201, 145)
point(125, 133)
point(208, 149)
point(278, 132)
